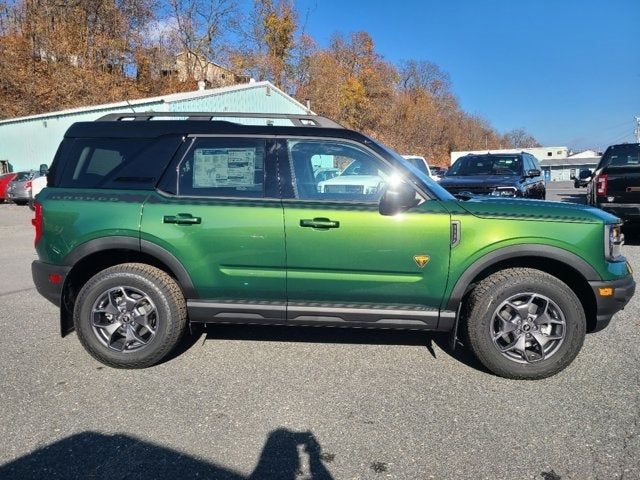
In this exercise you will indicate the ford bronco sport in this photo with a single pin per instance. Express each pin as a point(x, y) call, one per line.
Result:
point(149, 225)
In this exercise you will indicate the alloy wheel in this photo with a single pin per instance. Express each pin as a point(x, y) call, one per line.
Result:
point(528, 328)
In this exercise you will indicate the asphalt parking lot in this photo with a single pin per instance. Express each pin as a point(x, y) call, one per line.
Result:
point(282, 403)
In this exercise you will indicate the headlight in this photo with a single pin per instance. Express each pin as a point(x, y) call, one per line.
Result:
point(613, 241)
point(504, 192)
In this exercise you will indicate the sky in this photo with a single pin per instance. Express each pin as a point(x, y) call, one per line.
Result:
point(568, 71)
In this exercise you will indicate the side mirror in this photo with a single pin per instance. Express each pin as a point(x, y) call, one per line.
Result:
point(398, 198)
point(534, 172)
point(44, 169)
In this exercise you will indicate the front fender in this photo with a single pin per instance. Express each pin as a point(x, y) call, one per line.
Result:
point(511, 252)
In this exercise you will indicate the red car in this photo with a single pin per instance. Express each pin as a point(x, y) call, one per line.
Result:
point(4, 182)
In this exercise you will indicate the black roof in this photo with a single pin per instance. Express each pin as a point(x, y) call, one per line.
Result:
point(143, 125)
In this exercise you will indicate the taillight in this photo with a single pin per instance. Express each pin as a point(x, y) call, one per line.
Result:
point(27, 184)
point(602, 182)
point(37, 222)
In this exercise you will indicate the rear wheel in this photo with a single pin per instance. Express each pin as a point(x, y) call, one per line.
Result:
point(20, 202)
point(524, 323)
point(130, 315)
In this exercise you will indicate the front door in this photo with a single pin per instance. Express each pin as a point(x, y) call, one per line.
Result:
point(347, 263)
point(218, 212)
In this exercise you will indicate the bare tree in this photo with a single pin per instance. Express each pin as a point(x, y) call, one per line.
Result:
point(201, 28)
point(424, 75)
point(520, 138)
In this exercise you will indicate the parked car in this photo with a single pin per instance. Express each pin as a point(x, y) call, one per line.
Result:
point(359, 178)
point(322, 174)
point(498, 175)
point(583, 178)
point(439, 171)
point(615, 187)
point(149, 226)
point(37, 185)
point(19, 189)
point(422, 164)
point(4, 183)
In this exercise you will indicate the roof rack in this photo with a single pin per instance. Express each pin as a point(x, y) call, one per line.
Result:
point(296, 120)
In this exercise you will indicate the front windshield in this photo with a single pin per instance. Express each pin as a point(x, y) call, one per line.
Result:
point(431, 185)
point(486, 165)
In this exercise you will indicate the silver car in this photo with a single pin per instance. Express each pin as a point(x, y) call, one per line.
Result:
point(19, 189)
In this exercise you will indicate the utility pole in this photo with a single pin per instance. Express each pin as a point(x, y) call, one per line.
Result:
point(637, 130)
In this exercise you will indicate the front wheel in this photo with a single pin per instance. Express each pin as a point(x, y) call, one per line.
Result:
point(524, 323)
point(130, 315)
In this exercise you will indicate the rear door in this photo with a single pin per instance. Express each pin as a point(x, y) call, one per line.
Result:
point(218, 212)
point(347, 263)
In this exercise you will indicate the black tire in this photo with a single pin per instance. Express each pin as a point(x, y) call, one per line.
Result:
point(491, 294)
point(169, 321)
point(20, 202)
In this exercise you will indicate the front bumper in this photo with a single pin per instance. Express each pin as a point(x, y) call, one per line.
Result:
point(49, 280)
point(607, 306)
point(625, 211)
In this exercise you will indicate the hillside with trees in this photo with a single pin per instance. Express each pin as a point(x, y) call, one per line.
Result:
point(56, 55)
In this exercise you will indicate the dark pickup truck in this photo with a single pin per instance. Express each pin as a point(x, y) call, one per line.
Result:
point(616, 184)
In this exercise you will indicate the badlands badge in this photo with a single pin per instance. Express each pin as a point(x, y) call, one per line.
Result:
point(421, 260)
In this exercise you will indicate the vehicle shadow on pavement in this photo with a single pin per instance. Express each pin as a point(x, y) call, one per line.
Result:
point(287, 455)
point(352, 336)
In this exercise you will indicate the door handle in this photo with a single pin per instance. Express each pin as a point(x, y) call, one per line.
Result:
point(319, 223)
point(182, 219)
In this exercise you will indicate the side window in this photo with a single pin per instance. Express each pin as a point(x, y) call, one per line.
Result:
point(536, 164)
point(356, 175)
point(527, 163)
point(112, 163)
point(223, 167)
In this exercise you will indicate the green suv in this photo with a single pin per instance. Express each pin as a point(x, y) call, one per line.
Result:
point(201, 218)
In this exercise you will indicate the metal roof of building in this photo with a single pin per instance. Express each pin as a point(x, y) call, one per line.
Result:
point(162, 99)
point(569, 161)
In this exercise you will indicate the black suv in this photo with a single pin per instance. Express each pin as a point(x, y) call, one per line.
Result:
point(499, 175)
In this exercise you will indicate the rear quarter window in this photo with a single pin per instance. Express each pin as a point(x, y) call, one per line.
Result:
point(113, 163)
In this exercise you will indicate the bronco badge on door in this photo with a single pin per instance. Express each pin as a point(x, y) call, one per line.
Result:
point(421, 260)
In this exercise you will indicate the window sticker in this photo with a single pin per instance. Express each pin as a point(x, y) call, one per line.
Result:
point(224, 167)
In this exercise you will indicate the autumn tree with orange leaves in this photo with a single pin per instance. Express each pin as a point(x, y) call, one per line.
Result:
point(56, 55)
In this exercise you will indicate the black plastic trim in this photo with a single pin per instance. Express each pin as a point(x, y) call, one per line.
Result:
point(204, 311)
point(117, 242)
point(607, 307)
point(40, 272)
point(184, 279)
point(114, 242)
point(513, 252)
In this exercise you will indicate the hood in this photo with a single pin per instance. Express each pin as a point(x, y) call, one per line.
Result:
point(524, 209)
point(479, 180)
